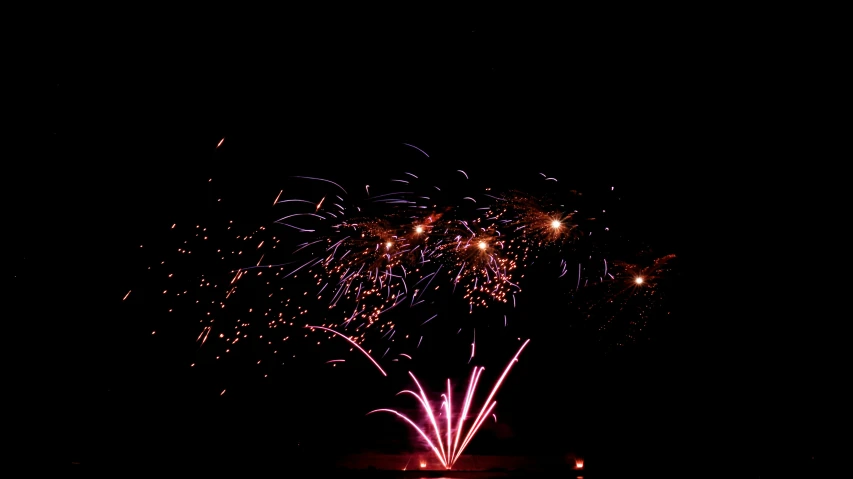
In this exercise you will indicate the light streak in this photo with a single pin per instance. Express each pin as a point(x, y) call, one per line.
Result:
point(354, 255)
point(415, 147)
point(322, 179)
point(354, 344)
point(449, 449)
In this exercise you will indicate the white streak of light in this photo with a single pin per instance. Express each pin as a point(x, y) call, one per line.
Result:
point(356, 345)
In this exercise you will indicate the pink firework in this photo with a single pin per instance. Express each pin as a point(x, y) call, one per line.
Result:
point(448, 442)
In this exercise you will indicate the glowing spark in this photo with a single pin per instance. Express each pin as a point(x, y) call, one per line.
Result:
point(577, 286)
point(428, 409)
point(300, 214)
point(415, 147)
point(125, 296)
point(354, 344)
point(203, 335)
point(449, 450)
point(288, 274)
point(321, 179)
point(303, 230)
point(220, 142)
point(487, 409)
point(354, 249)
point(449, 413)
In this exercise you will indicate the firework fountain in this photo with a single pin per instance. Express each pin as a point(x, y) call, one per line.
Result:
point(447, 446)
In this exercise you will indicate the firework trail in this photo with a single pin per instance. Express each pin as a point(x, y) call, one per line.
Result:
point(354, 344)
point(449, 447)
point(384, 266)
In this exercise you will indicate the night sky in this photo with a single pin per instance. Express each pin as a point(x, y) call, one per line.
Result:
point(642, 129)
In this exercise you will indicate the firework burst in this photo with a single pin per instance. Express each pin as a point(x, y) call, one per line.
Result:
point(621, 306)
point(449, 438)
point(379, 263)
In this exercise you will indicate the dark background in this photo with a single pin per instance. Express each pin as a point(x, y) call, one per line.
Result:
point(677, 119)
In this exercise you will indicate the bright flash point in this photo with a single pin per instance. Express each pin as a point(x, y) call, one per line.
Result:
point(419, 229)
point(556, 224)
point(638, 280)
point(482, 245)
point(388, 245)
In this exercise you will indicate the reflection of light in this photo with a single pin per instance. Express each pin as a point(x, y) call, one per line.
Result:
point(423, 464)
point(578, 463)
point(482, 245)
point(639, 280)
point(556, 224)
point(419, 229)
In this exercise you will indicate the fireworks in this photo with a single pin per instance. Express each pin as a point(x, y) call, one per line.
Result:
point(448, 436)
point(406, 247)
point(376, 268)
point(383, 265)
point(621, 306)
